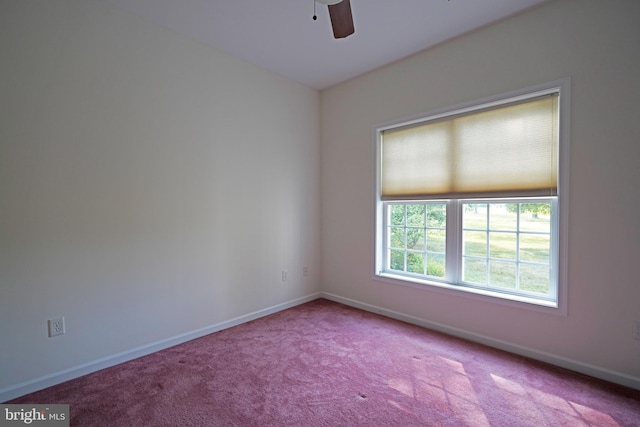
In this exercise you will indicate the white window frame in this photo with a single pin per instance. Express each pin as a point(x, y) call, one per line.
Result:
point(559, 233)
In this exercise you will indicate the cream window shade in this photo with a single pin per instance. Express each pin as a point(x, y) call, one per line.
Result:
point(508, 150)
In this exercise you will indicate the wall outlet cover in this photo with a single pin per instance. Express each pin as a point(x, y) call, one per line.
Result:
point(56, 326)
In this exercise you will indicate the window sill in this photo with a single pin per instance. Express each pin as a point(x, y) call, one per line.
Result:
point(517, 301)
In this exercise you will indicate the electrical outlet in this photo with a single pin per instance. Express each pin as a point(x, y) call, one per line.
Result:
point(305, 271)
point(636, 331)
point(56, 326)
point(284, 275)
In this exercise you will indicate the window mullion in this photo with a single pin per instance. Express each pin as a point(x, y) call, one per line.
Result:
point(488, 247)
point(518, 247)
point(453, 262)
point(406, 237)
point(425, 268)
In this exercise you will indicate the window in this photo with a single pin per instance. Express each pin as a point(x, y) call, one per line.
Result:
point(474, 198)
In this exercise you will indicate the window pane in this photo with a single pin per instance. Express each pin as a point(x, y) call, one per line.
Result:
point(397, 237)
point(474, 270)
point(476, 187)
point(502, 245)
point(534, 278)
point(415, 262)
point(535, 217)
point(502, 274)
point(535, 247)
point(496, 250)
point(475, 243)
point(415, 238)
point(435, 265)
point(475, 216)
point(396, 260)
point(436, 240)
point(503, 216)
point(396, 214)
point(415, 215)
point(436, 215)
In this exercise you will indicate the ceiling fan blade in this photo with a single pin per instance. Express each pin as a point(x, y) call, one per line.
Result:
point(341, 19)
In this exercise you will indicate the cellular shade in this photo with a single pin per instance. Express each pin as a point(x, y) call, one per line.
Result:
point(509, 150)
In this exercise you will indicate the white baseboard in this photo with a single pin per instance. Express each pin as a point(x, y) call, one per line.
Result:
point(40, 383)
point(563, 362)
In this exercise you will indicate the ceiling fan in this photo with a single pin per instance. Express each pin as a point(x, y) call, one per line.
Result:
point(341, 18)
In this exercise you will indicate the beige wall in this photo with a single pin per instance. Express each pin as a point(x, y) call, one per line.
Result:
point(149, 186)
point(596, 44)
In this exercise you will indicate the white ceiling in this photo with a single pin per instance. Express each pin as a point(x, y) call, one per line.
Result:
point(281, 36)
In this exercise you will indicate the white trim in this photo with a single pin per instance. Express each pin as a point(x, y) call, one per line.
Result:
point(504, 98)
point(463, 291)
point(26, 387)
point(560, 306)
point(564, 165)
point(12, 392)
point(553, 359)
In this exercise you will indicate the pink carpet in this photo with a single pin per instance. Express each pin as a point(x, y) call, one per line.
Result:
point(325, 364)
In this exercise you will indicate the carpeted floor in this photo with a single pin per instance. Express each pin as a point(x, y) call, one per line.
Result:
point(325, 364)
